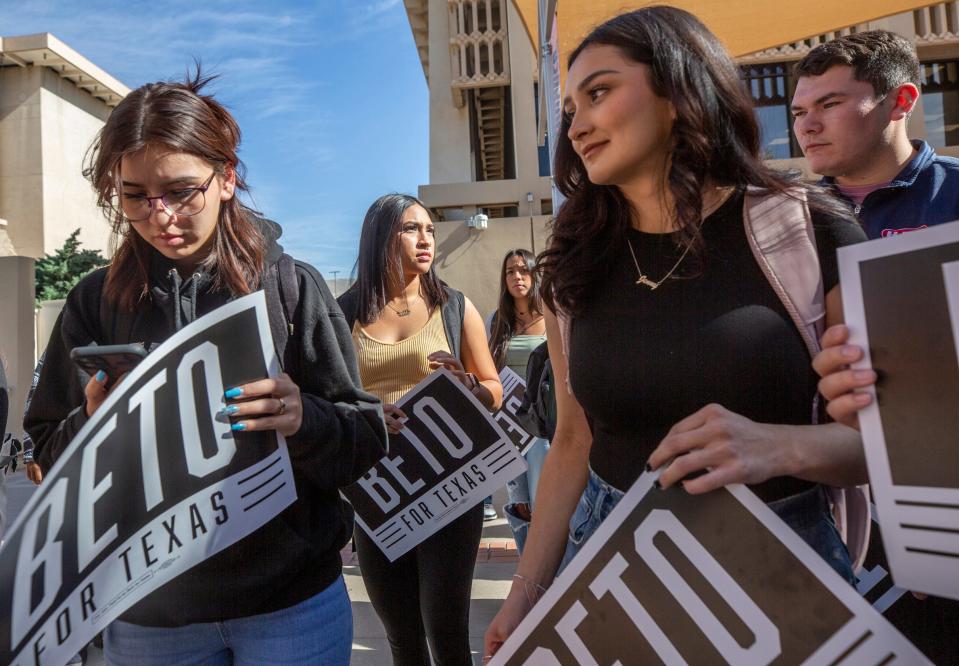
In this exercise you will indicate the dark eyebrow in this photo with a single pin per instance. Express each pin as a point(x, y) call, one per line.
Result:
point(589, 79)
point(819, 101)
point(186, 180)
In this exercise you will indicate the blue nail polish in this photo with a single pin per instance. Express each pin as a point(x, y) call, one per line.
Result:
point(101, 375)
point(233, 393)
point(238, 426)
point(230, 409)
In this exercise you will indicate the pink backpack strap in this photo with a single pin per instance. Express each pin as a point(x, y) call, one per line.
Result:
point(780, 234)
point(781, 237)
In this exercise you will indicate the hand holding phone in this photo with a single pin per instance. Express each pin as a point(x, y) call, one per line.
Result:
point(105, 364)
point(113, 360)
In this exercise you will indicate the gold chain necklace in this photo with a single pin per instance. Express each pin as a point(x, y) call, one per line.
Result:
point(405, 312)
point(644, 279)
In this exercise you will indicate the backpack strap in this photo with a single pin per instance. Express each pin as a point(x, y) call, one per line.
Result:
point(454, 312)
point(282, 293)
point(781, 237)
point(780, 234)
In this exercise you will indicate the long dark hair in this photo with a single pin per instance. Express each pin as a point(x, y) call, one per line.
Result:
point(715, 139)
point(379, 267)
point(177, 116)
point(503, 326)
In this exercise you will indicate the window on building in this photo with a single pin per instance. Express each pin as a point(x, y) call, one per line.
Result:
point(771, 88)
point(940, 102)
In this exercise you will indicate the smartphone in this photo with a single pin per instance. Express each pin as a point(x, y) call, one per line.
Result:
point(114, 360)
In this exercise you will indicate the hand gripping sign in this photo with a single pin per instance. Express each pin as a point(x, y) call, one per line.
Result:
point(680, 579)
point(449, 456)
point(901, 300)
point(152, 485)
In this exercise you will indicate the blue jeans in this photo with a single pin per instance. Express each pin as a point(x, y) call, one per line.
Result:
point(316, 631)
point(522, 490)
point(807, 513)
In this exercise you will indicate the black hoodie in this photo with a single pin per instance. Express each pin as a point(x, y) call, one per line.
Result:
point(294, 556)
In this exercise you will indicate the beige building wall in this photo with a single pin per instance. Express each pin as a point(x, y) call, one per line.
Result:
point(450, 158)
point(70, 120)
point(16, 333)
point(453, 190)
point(21, 158)
point(470, 260)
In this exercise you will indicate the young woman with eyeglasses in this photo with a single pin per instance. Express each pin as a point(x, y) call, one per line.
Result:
point(406, 323)
point(517, 327)
point(166, 172)
point(682, 355)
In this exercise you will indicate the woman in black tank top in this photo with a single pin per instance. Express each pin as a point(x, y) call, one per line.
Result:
point(682, 358)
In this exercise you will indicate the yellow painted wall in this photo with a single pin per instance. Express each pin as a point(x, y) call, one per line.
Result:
point(744, 26)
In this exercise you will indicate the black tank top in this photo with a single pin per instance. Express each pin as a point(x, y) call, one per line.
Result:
point(642, 360)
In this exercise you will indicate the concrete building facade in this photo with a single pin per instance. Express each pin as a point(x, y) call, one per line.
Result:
point(53, 101)
point(481, 67)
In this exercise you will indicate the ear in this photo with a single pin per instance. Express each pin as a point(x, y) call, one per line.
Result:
point(904, 100)
point(228, 184)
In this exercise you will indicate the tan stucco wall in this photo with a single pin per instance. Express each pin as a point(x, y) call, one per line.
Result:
point(470, 260)
point(21, 160)
point(450, 160)
point(46, 126)
point(16, 332)
point(71, 119)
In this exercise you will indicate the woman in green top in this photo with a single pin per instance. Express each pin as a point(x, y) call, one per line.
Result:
point(516, 329)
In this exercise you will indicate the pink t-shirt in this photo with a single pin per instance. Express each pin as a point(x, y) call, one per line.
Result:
point(858, 193)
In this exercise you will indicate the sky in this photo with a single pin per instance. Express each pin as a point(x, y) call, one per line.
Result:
point(329, 94)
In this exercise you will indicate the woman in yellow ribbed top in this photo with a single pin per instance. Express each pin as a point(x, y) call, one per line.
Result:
point(407, 323)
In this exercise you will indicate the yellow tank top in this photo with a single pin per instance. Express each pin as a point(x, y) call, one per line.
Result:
point(389, 370)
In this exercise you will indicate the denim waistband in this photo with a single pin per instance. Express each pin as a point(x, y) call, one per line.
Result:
point(809, 504)
point(597, 481)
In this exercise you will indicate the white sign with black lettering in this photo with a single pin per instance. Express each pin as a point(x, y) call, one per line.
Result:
point(901, 301)
point(675, 578)
point(513, 390)
point(448, 457)
point(155, 483)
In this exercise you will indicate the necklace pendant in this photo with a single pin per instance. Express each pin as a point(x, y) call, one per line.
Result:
point(646, 282)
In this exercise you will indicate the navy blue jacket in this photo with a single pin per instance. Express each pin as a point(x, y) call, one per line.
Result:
point(924, 193)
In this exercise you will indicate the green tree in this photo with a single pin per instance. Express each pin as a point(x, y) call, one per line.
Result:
point(58, 273)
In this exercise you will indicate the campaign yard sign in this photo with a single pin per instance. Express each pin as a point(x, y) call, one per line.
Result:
point(153, 484)
point(929, 622)
point(901, 300)
point(513, 390)
point(708, 579)
point(449, 456)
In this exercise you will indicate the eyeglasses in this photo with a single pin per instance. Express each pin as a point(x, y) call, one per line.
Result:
point(184, 201)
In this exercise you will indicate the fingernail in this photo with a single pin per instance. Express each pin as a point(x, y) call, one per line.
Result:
point(849, 351)
point(230, 409)
point(238, 426)
point(862, 398)
point(101, 375)
point(657, 485)
point(863, 375)
point(233, 393)
point(649, 468)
